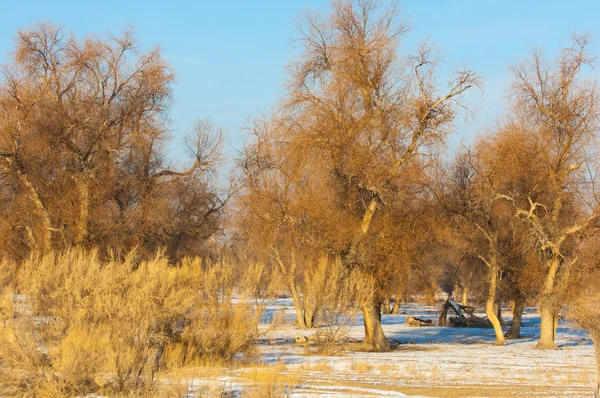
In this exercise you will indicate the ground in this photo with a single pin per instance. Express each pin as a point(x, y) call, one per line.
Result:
point(429, 361)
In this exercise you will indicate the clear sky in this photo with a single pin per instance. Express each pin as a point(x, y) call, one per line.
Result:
point(229, 55)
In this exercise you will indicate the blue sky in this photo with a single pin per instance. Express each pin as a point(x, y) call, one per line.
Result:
point(229, 55)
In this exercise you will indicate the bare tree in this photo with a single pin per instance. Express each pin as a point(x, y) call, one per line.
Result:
point(356, 119)
point(558, 110)
point(82, 135)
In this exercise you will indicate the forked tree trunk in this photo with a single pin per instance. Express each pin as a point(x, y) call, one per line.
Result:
point(298, 306)
point(309, 314)
point(373, 331)
point(515, 328)
point(547, 313)
point(490, 304)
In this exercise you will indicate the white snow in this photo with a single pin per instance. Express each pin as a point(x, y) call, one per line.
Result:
point(430, 361)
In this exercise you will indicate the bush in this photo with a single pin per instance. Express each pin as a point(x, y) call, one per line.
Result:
point(88, 326)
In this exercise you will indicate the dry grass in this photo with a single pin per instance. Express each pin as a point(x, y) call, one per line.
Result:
point(268, 382)
point(361, 367)
point(321, 367)
point(82, 326)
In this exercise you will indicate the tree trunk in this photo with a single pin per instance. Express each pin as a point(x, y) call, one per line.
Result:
point(515, 328)
point(41, 210)
point(290, 277)
point(547, 313)
point(81, 228)
point(371, 310)
point(298, 306)
point(490, 304)
point(373, 330)
point(498, 306)
point(385, 307)
point(546, 341)
point(456, 292)
point(443, 319)
point(396, 307)
point(466, 289)
point(596, 340)
point(309, 314)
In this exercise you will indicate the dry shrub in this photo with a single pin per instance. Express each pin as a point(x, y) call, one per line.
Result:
point(585, 311)
point(268, 382)
point(8, 273)
point(224, 327)
point(104, 327)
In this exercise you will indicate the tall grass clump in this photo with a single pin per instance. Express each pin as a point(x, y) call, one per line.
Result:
point(72, 324)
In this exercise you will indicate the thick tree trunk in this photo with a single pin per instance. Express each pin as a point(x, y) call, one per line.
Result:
point(547, 333)
point(490, 304)
point(373, 331)
point(371, 310)
point(547, 312)
point(81, 228)
point(515, 328)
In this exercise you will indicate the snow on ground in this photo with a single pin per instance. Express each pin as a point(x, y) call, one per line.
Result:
point(430, 361)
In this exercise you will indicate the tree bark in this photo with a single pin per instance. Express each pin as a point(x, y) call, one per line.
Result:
point(396, 307)
point(466, 289)
point(455, 292)
point(596, 340)
point(547, 313)
point(309, 314)
point(490, 304)
point(546, 341)
point(443, 319)
point(498, 307)
point(81, 229)
point(290, 277)
point(371, 310)
point(515, 328)
point(298, 306)
point(373, 331)
point(40, 208)
point(385, 307)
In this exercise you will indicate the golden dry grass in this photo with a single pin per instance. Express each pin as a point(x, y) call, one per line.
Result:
point(80, 325)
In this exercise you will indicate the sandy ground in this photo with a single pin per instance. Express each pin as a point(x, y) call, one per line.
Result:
point(429, 361)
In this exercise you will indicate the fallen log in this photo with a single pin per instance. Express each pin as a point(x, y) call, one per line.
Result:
point(413, 321)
